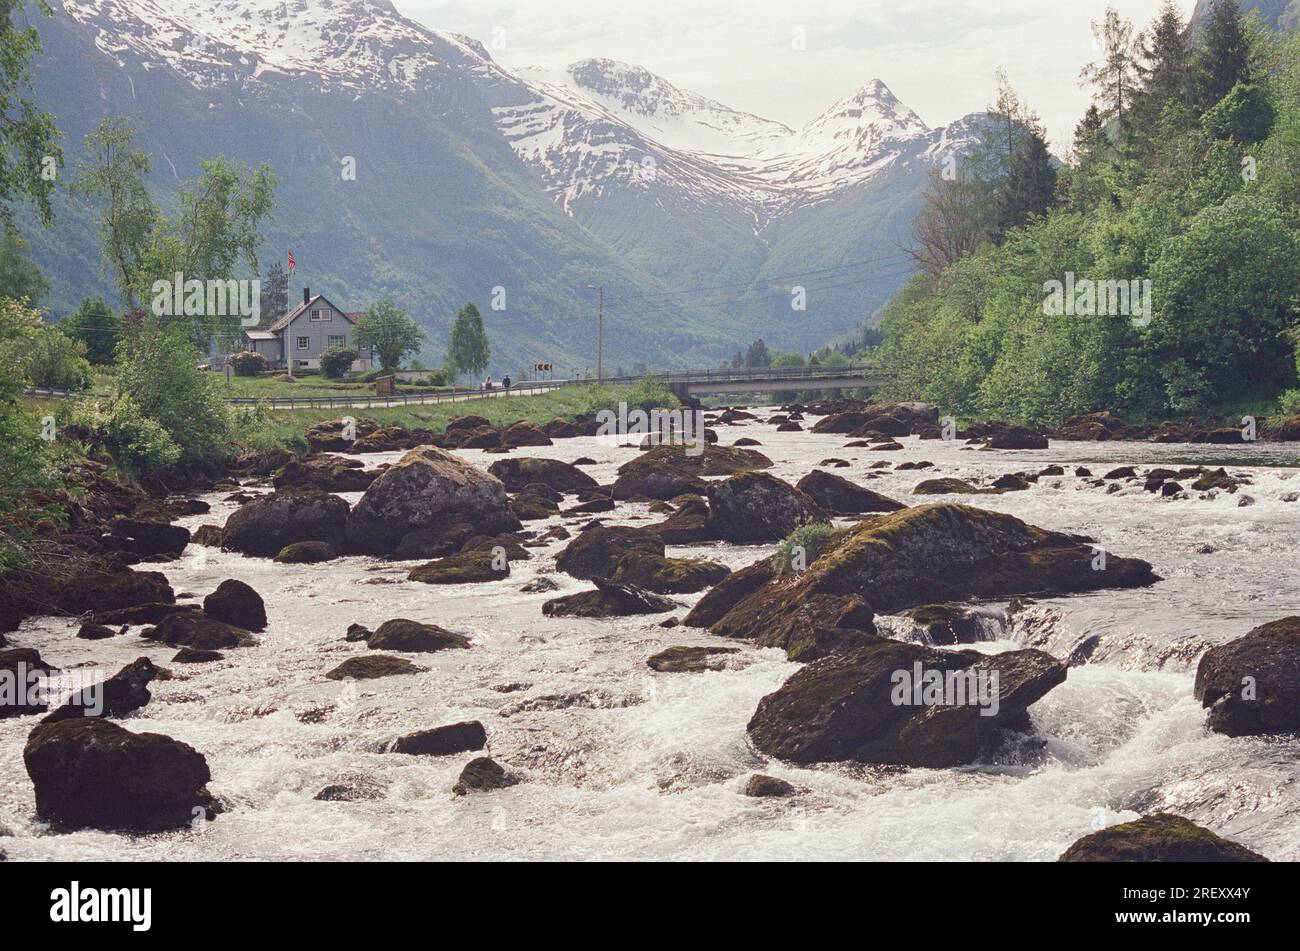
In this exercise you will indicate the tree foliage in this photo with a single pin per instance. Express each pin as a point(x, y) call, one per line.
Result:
point(389, 332)
point(1193, 205)
point(29, 141)
point(468, 350)
point(96, 326)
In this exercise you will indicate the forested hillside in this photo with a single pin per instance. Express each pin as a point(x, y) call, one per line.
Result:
point(1185, 173)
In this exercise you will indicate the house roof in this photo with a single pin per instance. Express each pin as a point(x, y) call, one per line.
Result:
point(259, 335)
point(289, 318)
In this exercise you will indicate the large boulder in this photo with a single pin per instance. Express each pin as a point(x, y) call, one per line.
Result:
point(608, 600)
point(729, 592)
point(688, 525)
point(524, 433)
point(945, 552)
point(482, 774)
point(191, 629)
point(1252, 684)
point(839, 496)
point(926, 555)
point(90, 773)
point(324, 473)
point(1158, 838)
point(758, 507)
point(77, 584)
point(413, 637)
point(443, 740)
point(666, 472)
point(561, 476)
point(338, 435)
point(264, 526)
point(596, 553)
point(236, 603)
point(1015, 437)
point(891, 702)
point(466, 567)
point(373, 667)
point(147, 538)
point(426, 488)
point(690, 660)
point(668, 575)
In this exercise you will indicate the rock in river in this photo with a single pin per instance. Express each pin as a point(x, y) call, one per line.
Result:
point(442, 740)
point(1158, 838)
point(1252, 684)
point(839, 496)
point(264, 526)
point(669, 575)
point(758, 507)
point(413, 637)
point(236, 603)
point(427, 488)
point(90, 773)
point(878, 703)
point(608, 600)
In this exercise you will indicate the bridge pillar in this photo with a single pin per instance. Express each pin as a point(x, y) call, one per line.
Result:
point(682, 392)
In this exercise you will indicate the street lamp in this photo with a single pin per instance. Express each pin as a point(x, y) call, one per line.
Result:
point(600, 331)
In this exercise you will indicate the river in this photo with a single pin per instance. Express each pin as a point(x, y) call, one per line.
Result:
point(620, 762)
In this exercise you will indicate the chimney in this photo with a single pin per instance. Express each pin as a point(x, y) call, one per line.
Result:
point(306, 295)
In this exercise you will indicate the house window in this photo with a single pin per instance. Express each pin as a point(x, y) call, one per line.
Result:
point(337, 340)
point(304, 343)
point(318, 313)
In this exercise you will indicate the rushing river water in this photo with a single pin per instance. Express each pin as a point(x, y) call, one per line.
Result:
point(620, 762)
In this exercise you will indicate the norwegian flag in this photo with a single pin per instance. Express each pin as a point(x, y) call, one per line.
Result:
point(292, 263)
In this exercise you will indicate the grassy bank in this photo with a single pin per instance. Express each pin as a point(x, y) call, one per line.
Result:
point(269, 429)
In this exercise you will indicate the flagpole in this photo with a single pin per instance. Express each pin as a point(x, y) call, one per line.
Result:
point(288, 353)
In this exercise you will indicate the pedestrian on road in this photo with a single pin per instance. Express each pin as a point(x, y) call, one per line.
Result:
point(505, 382)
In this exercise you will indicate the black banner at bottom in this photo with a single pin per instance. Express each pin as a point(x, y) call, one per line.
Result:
point(334, 901)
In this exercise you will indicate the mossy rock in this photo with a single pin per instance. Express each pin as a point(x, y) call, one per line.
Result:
point(467, 567)
point(669, 575)
point(372, 667)
point(1158, 838)
point(402, 634)
point(690, 660)
point(306, 553)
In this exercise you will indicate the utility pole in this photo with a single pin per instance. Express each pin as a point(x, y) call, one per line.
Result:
point(600, 331)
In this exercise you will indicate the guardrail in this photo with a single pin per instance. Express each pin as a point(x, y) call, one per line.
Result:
point(532, 387)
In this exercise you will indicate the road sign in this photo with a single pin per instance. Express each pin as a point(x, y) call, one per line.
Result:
point(541, 368)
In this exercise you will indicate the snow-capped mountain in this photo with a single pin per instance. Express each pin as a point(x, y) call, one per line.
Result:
point(472, 176)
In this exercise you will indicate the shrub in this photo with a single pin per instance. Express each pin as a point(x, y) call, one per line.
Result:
point(57, 361)
point(158, 367)
point(811, 537)
point(137, 443)
point(336, 361)
point(1289, 402)
point(247, 363)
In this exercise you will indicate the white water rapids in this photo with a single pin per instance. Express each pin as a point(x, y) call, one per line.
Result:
point(619, 762)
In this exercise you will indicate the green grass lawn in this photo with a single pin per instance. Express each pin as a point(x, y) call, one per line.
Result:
point(285, 428)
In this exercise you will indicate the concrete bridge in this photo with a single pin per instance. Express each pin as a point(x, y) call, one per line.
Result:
point(695, 383)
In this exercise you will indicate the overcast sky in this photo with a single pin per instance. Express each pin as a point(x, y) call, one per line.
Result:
point(938, 56)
